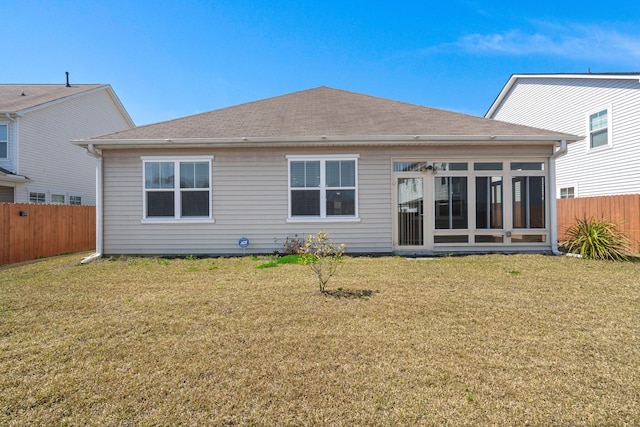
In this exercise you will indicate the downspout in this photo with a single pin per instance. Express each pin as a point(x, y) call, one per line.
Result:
point(552, 190)
point(92, 151)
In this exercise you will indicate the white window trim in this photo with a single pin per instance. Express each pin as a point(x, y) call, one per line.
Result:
point(36, 193)
point(560, 187)
point(177, 220)
point(323, 218)
point(608, 108)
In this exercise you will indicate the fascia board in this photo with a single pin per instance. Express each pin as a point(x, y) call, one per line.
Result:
point(328, 141)
point(120, 106)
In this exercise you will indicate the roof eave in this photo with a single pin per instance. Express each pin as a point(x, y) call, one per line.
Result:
point(14, 178)
point(314, 141)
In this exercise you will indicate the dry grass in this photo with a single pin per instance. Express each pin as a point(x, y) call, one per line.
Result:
point(480, 340)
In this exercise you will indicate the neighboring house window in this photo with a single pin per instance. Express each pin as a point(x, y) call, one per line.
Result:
point(75, 200)
point(57, 199)
point(37, 198)
point(4, 141)
point(599, 129)
point(567, 193)
point(177, 188)
point(323, 186)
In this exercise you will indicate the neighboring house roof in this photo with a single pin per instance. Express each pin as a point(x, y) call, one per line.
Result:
point(22, 98)
point(323, 114)
point(590, 76)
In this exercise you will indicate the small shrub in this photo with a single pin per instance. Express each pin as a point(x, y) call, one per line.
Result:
point(292, 245)
point(597, 239)
point(323, 257)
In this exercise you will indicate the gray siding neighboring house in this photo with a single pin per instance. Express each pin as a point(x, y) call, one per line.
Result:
point(37, 162)
point(379, 175)
point(602, 108)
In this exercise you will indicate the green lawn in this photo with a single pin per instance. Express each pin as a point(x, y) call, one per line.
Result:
point(478, 340)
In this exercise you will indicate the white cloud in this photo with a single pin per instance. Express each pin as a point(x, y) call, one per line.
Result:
point(595, 43)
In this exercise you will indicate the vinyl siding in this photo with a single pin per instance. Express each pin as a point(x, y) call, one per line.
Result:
point(562, 105)
point(48, 158)
point(250, 199)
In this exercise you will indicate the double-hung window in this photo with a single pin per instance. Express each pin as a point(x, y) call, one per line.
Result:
point(4, 141)
point(177, 188)
point(323, 187)
point(599, 129)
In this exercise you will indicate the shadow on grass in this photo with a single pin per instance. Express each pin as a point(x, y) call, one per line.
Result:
point(349, 293)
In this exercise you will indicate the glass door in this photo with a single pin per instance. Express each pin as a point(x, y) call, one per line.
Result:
point(410, 212)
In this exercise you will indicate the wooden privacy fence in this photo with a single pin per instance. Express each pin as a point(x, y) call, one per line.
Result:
point(624, 210)
point(29, 231)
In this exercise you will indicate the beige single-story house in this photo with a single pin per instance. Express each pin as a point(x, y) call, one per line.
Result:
point(378, 175)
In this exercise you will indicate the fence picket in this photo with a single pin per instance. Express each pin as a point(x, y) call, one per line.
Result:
point(45, 230)
point(623, 209)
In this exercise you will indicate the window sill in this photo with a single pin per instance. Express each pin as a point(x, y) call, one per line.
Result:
point(322, 220)
point(179, 221)
point(599, 148)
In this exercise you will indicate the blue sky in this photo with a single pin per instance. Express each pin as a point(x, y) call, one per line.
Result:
point(168, 59)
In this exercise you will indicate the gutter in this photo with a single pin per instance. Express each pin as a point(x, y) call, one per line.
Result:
point(92, 151)
point(326, 141)
point(552, 205)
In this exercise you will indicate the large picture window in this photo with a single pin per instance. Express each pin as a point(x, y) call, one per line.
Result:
point(322, 187)
point(177, 189)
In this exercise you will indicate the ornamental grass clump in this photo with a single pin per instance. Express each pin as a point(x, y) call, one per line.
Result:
point(322, 255)
point(597, 239)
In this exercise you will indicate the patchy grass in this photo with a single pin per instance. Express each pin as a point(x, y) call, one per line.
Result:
point(479, 340)
point(278, 260)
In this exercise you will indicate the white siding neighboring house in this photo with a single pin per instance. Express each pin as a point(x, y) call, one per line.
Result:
point(379, 175)
point(603, 108)
point(37, 162)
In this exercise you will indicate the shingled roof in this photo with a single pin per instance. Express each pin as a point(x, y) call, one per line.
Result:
point(323, 111)
point(18, 97)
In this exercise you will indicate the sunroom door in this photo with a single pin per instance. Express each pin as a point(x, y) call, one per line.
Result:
point(410, 214)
